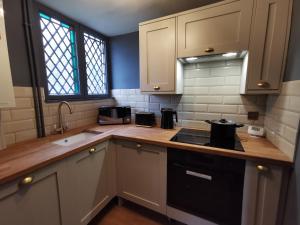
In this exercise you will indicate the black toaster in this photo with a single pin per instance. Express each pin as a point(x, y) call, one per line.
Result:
point(145, 119)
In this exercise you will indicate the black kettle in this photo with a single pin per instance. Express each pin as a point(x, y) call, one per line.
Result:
point(167, 118)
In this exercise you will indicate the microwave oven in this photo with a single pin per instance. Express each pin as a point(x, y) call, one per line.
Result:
point(114, 115)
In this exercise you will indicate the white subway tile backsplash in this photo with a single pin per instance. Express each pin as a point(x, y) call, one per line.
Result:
point(232, 100)
point(194, 108)
point(22, 114)
point(289, 118)
point(186, 115)
point(24, 102)
point(226, 71)
point(223, 108)
point(291, 88)
point(195, 90)
point(209, 99)
point(207, 116)
point(196, 73)
point(5, 115)
point(233, 80)
point(210, 64)
point(211, 91)
point(195, 124)
point(282, 117)
point(160, 99)
point(188, 99)
point(14, 126)
point(224, 90)
point(290, 134)
point(294, 103)
point(210, 81)
point(154, 106)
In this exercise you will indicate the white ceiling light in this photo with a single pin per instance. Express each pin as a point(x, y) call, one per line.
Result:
point(230, 54)
point(191, 59)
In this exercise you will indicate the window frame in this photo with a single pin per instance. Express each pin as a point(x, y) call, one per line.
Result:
point(84, 29)
point(79, 30)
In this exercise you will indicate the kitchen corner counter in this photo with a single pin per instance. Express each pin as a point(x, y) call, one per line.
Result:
point(23, 158)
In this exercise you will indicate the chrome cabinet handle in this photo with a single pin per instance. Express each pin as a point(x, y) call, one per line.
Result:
point(199, 175)
point(263, 84)
point(156, 88)
point(208, 50)
point(262, 168)
point(26, 181)
point(92, 150)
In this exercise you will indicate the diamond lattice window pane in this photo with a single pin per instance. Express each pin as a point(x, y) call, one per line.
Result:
point(60, 57)
point(95, 65)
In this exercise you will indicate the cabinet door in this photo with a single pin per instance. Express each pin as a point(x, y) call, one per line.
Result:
point(158, 56)
point(262, 191)
point(267, 45)
point(141, 173)
point(89, 183)
point(34, 202)
point(215, 29)
point(7, 98)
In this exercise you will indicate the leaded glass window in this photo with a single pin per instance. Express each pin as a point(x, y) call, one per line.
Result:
point(60, 55)
point(95, 59)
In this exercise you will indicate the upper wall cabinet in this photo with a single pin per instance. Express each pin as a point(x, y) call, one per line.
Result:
point(7, 98)
point(158, 57)
point(268, 44)
point(215, 29)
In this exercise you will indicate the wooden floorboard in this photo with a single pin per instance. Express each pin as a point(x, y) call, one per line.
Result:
point(130, 214)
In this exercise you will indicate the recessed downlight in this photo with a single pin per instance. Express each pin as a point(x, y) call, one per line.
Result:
point(230, 54)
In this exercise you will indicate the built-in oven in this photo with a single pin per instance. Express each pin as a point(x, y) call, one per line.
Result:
point(207, 186)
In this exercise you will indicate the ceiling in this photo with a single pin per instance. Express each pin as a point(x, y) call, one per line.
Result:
point(116, 17)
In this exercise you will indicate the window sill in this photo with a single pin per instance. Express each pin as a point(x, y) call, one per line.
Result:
point(74, 99)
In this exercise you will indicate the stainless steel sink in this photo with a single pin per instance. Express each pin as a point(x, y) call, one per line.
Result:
point(77, 138)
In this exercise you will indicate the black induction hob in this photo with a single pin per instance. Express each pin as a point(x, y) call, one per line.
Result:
point(202, 137)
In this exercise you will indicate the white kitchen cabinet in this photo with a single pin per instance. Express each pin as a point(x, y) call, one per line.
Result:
point(34, 199)
point(262, 194)
point(268, 45)
point(141, 174)
point(215, 29)
point(89, 183)
point(158, 72)
point(7, 97)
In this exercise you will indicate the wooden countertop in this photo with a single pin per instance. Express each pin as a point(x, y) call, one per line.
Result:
point(23, 158)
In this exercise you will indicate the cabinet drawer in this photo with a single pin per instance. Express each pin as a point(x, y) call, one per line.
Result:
point(141, 146)
point(214, 30)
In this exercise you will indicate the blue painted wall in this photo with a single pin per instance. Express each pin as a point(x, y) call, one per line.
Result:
point(293, 59)
point(124, 50)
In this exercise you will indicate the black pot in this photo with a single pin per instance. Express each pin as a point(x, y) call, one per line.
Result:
point(223, 129)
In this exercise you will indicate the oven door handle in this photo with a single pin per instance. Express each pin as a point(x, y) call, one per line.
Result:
point(200, 175)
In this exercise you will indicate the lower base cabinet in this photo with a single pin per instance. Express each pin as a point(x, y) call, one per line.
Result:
point(264, 191)
point(33, 200)
point(142, 174)
point(73, 191)
point(90, 183)
point(70, 192)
